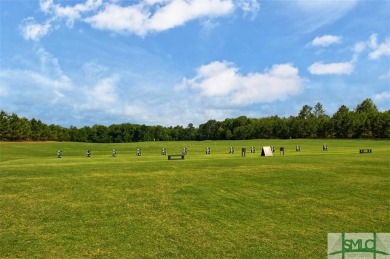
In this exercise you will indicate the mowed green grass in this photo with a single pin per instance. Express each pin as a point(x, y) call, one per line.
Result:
point(206, 206)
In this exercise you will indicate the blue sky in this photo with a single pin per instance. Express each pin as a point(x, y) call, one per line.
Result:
point(175, 62)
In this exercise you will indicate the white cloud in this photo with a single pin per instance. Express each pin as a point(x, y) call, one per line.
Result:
point(156, 16)
point(34, 88)
point(46, 5)
point(382, 96)
point(135, 109)
point(120, 19)
point(222, 81)
point(139, 17)
point(34, 31)
point(179, 12)
point(104, 94)
point(45, 84)
point(69, 13)
point(50, 68)
point(326, 40)
point(359, 47)
point(379, 50)
point(93, 95)
point(249, 7)
point(341, 68)
point(214, 79)
point(376, 50)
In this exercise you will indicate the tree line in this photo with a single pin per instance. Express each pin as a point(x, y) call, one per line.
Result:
point(364, 121)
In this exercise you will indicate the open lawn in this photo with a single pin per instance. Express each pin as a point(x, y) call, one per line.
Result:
point(205, 206)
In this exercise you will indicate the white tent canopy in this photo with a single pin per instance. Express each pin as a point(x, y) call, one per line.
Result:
point(266, 151)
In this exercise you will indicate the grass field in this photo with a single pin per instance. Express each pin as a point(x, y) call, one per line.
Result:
point(206, 206)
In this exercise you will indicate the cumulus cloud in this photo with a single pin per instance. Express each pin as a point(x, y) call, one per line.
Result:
point(326, 40)
point(222, 80)
point(342, 68)
point(139, 17)
point(120, 19)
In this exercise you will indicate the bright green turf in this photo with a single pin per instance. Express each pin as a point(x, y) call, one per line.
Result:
point(206, 206)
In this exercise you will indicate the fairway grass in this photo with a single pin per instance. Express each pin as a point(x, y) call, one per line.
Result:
point(205, 206)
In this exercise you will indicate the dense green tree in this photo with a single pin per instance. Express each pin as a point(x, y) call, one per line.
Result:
point(342, 122)
point(240, 121)
point(74, 134)
point(305, 112)
point(209, 130)
point(58, 133)
point(324, 126)
point(228, 134)
point(318, 110)
point(365, 121)
point(367, 106)
point(85, 134)
point(14, 125)
point(38, 130)
point(383, 130)
point(115, 132)
point(5, 127)
point(280, 129)
point(100, 134)
point(265, 127)
point(191, 132)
